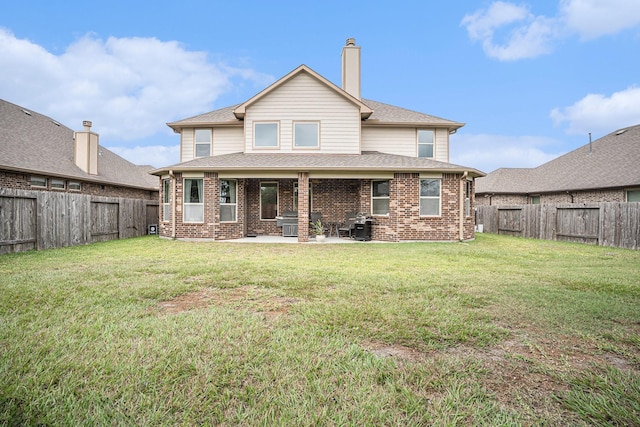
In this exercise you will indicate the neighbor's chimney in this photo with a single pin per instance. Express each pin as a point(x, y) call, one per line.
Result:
point(351, 68)
point(86, 149)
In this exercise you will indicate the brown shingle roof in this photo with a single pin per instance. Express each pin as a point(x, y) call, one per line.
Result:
point(612, 162)
point(33, 143)
point(367, 161)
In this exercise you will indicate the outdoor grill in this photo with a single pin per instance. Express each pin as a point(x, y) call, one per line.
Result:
point(362, 227)
point(289, 223)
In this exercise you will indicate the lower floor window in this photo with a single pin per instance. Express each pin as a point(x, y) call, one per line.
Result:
point(228, 200)
point(268, 200)
point(430, 197)
point(38, 181)
point(193, 200)
point(166, 198)
point(380, 197)
point(74, 186)
point(633, 196)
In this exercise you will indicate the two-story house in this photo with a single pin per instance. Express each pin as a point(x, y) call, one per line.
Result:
point(305, 145)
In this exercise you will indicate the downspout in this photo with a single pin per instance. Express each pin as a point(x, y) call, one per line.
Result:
point(173, 204)
point(462, 188)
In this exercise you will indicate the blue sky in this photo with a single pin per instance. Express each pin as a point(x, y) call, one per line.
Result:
point(529, 79)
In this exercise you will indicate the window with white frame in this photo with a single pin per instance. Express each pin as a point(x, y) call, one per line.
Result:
point(38, 181)
point(425, 143)
point(380, 197)
point(268, 200)
point(74, 186)
point(430, 197)
point(57, 184)
point(633, 196)
point(306, 135)
point(265, 135)
point(535, 200)
point(295, 197)
point(166, 199)
point(467, 198)
point(228, 200)
point(203, 142)
point(193, 200)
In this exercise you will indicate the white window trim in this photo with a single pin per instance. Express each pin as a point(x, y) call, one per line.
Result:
point(235, 205)
point(439, 197)
point(54, 181)
point(306, 147)
point(380, 197)
point(196, 143)
point(166, 205)
point(418, 143)
point(277, 199)
point(38, 185)
point(184, 204)
point(266, 147)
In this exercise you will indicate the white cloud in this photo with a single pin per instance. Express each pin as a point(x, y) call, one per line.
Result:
point(128, 87)
point(598, 113)
point(595, 18)
point(529, 35)
point(154, 155)
point(490, 152)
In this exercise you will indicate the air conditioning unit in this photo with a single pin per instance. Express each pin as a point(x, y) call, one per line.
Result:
point(153, 229)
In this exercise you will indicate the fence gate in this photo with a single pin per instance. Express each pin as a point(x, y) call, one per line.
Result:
point(18, 224)
point(510, 221)
point(104, 221)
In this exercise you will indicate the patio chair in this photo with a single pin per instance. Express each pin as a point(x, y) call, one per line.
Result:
point(349, 224)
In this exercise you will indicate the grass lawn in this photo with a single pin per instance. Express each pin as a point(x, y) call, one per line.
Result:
point(499, 331)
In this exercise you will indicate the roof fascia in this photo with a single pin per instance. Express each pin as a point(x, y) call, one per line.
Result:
point(240, 110)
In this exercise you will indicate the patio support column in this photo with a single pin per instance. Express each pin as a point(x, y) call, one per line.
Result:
point(303, 207)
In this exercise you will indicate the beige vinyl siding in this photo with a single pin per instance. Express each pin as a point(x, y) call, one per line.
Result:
point(401, 141)
point(186, 145)
point(304, 98)
point(441, 152)
point(227, 140)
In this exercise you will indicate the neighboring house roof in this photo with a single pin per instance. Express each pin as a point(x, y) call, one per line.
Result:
point(367, 161)
point(33, 143)
point(609, 162)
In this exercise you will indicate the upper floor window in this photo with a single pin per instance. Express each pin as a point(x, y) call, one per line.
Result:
point(306, 135)
point(203, 142)
point(430, 197)
point(193, 200)
point(38, 181)
point(380, 197)
point(265, 135)
point(228, 200)
point(425, 143)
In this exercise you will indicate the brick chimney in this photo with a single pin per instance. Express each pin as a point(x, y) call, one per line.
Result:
point(86, 149)
point(351, 68)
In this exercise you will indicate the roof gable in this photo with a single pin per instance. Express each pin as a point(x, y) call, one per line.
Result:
point(240, 110)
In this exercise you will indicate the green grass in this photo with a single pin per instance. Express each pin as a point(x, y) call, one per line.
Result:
point(499, 331)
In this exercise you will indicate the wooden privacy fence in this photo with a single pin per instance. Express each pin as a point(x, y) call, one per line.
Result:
point(604, 224)
point(43, 220)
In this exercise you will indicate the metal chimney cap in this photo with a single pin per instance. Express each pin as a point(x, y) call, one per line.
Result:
point(87, 124)
point(351, 41)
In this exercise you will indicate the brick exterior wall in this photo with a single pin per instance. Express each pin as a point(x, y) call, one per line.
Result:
point(586, 196)
point(20, 181)
point(334, 198)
